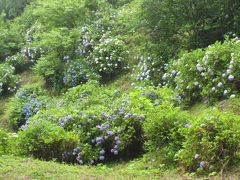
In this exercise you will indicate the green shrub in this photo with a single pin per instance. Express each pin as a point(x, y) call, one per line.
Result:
point(8, 80)
point(4, 142)
point(210, 74)
point(90, 94)
point(51, 68)
point(27, 102)
point(161, 129)
point(46, 141)
point(211, 143)
point(10, 38)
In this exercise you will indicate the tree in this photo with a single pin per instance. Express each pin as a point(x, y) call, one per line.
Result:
point(189, 24)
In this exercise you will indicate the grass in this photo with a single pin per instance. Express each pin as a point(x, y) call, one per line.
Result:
point(19, 168)
point(29, 77)
point(227, 106)
point(123, 82)
point(12, 167)
point(230, 105)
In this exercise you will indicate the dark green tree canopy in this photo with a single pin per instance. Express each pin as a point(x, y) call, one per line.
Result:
point(190, 24)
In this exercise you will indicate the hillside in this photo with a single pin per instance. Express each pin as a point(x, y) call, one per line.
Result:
point(119, 89)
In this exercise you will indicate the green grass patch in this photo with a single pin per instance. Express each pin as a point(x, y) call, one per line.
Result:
point(227, 106)
point(230, 105)
point(29, 77)
point(13, 167)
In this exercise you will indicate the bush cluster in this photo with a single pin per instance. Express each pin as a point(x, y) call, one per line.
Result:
point(46, 141)
point(27, 102)
point(109, 124)
point(8, 79)
point(208, 74)
point(92, 124)
point(211, 143)
point(4, 142)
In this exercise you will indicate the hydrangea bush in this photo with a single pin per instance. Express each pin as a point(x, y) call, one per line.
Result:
point(18, 61)
point(109, 57)
point(211, 143)
point(8, 79)
point(78, 72)
point(27, 102)
point(210, 74)
point(148, 70)
point(109, 124)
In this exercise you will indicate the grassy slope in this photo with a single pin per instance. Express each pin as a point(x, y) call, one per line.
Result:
point(227, 106)
point(12, 167)
point(17, 168)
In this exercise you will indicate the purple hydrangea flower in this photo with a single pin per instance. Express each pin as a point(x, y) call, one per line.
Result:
point(110, 133)
point(188, 125)
point(202, 163)
point(212, 117)
point(115, 152)
point(196, 156)
point(92, 161)
point(199, 68)
point(134, 115)
point(102, 152)
point(174, 72)
point(80, 161)
point(101, 158)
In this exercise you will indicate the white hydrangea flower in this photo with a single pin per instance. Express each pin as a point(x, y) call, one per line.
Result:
point(219, 84)
point(232, 96)
point(230, 77)
point(225, 92)
point(213, 89)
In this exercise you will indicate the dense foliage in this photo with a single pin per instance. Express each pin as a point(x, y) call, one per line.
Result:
point(4, 142)
point(163, 54)
point(210, 74)
point(8, 79)
point(26, 103)
point(189, 24)
point(212, 143)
